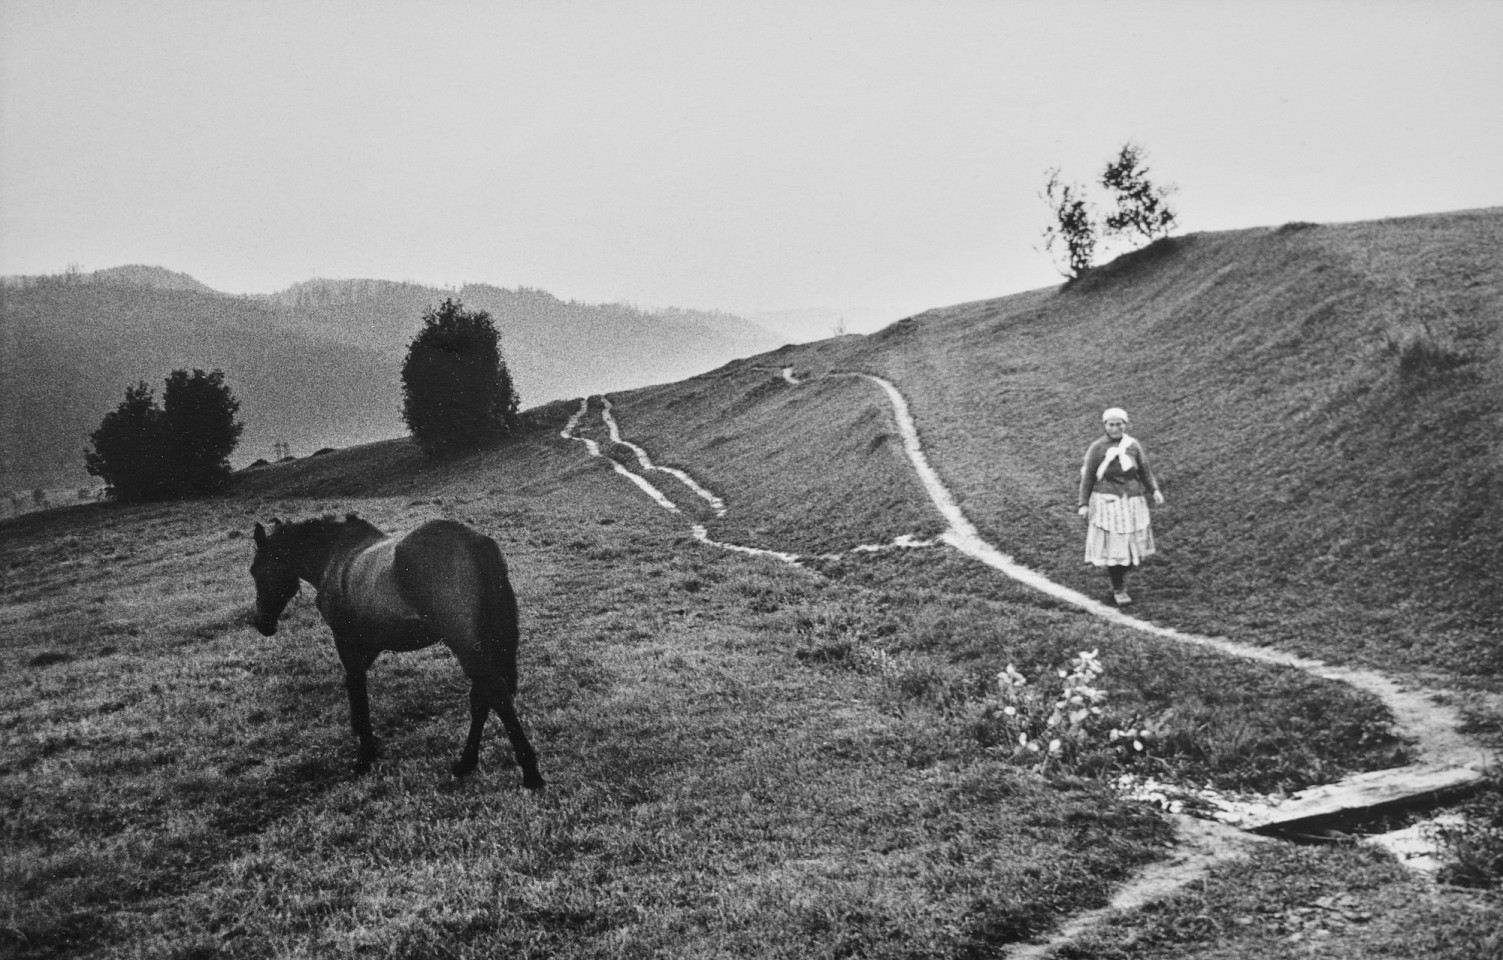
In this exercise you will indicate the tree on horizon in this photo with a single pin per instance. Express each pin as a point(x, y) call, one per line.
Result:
point(1141, 211)
point(457, 393)
point(146, 452)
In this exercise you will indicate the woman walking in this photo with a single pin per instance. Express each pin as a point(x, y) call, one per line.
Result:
point(1115, 481)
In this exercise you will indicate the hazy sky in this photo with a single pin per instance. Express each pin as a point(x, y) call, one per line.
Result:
point(876, 158)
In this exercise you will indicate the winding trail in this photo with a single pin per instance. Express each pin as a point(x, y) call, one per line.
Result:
point(714, 503)
point(1448, 761)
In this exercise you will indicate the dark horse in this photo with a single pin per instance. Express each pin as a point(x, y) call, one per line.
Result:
point(443, 582)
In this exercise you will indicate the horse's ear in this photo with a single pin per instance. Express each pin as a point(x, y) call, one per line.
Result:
point(260, 534)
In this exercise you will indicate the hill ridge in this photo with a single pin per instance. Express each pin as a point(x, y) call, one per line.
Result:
point(315, 366)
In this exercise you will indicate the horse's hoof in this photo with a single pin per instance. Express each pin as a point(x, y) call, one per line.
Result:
point(463, 769)
point(533, 781)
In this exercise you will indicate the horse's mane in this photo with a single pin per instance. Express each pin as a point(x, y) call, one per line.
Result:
point(324, 529)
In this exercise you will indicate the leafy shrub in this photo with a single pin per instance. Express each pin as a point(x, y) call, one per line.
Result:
point(1057, 726)
point(146, 452)
point(457, 393)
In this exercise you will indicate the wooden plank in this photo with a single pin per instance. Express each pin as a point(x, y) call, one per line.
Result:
point(1366, 793)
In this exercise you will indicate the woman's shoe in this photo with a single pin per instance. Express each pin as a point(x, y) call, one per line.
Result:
point(1122, 598)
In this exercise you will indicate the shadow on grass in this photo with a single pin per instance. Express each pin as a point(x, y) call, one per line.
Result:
point(89, 891)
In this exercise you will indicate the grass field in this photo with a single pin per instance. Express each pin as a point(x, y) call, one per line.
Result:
point(179, 786)
point(745, 758)
point(724, 780)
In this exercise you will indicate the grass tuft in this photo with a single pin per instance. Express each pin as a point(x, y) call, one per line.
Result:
point(1423, 354)
point(1472, 850)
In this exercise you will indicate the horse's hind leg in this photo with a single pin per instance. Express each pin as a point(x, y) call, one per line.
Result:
point(499, 695)
point(480, 708)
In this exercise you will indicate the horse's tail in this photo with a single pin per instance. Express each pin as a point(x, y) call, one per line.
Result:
point(500, 621)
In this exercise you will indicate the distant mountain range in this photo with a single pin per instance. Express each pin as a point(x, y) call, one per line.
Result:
point(315, 365)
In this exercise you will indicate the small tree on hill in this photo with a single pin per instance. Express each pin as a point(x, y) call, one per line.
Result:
point(456, 391)
point(146, 452)
point(1142, 210)
point(1142, 206)
point(1071, 237)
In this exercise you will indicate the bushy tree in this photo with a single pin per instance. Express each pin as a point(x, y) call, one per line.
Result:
point(1071, 237)
point(198, 414)
point(456, 391)
point(130, 449)
point(1141, 211)
point(146, 452)
point(1142, 206)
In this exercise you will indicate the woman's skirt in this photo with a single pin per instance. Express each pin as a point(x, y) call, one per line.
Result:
point(1118, 533)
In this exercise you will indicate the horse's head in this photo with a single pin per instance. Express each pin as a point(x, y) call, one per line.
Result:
point(275, 574)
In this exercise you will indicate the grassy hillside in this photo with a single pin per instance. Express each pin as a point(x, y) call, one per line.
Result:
point(1322, 402)
point(751, 759)
point(745, 758)
point(710, 792)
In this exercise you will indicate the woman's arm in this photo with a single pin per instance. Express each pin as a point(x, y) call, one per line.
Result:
point(1145, 473)
point(1088, 474)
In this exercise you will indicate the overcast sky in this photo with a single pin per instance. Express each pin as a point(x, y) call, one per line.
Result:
point(875, 158)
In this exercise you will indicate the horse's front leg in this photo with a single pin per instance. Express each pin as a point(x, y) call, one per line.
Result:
point(357, 664)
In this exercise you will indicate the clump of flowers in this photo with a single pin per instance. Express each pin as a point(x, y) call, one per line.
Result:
point(1056, 722)
point(875, 660)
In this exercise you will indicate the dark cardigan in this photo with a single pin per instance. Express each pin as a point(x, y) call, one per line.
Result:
point(1130, 483)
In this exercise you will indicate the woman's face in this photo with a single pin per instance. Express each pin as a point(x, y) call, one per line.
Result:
point(1115, 428)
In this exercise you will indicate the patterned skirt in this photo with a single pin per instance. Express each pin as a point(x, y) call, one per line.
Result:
point(1118, 533)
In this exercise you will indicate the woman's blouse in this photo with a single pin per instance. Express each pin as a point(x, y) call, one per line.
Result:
point(1114, 480)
